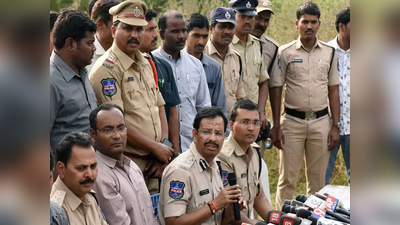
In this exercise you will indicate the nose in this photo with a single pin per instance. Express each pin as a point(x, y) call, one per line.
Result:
point(202, 41)
point(89, 173)
point(93, 48)
point(115, 134)
point(134, 34)
point(309, 26)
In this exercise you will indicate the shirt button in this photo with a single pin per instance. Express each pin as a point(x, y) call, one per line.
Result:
point(180, 106)
point(179, 92)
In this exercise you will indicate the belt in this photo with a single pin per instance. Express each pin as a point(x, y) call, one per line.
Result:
point(306, 115)
point(132, 155)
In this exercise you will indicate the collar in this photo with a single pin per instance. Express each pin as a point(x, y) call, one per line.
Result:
point(125, 60)
point(299, 44)
point(238, 150)
point(65, 70)
point(334, 43)
point(200, 162)
point(236, 39)
point(73, 201)
point(212, 50)
point(263, 39)
point(111, 162)
point(203, 59)
point(168, 56)
point(99, 49)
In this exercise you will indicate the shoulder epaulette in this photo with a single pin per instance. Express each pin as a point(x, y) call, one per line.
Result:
point(226, 152)
point(286, 46)
point(58, 197)
point(146, 55)
point(271, 40)
point(254, 38)
point(110, 60)
point(255, 145)
point(187, 162)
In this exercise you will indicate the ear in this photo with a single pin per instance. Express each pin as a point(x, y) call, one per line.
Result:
point(113, 30)
point(211, 29)
point(60, 169)
point(162, 33)
point(99, 24)
point(297, 24)
point(319, 21)
point(231, 125)
point(341, 26)
point(194, 134)
point(70, 44)
point(93, 134)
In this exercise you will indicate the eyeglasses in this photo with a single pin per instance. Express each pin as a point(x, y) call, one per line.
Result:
point(255, 123)
point(218, 134)
point(119, 130)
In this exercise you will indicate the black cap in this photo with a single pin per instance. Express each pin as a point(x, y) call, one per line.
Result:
point(223, 14)
point(245, 7)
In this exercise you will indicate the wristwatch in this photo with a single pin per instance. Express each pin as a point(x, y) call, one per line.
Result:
point(338, 125)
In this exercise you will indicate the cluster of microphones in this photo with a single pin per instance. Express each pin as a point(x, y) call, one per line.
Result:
point(315, 209)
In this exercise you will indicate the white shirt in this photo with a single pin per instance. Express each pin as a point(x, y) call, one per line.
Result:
point(343, 65)
point(99, 52)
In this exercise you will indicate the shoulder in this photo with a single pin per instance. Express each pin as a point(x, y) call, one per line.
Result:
point(254, 38)
point(58, 197)
point(326, 45)
point(212, 62)
point(287, 46)
point(270, 40)
point(226, 151)
point(182, 164)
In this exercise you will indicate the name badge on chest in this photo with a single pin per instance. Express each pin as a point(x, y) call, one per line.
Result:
point(297, 60)
point(204, 192)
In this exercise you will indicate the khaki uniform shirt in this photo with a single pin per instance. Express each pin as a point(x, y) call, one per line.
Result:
point(254, 71)
point(188, 184)
point(117, 79)
point(233, 81)
point(270, 46)
point(79, 212)
point(246, 166)
point(306, 75)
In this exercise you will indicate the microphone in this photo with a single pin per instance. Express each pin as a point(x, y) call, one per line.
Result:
point(261, 223)
point(274, 216)
point(325, 221)
point(317, 203)
point(333, 204)
point(232, 181)
point(290, 219)
point(303, 213)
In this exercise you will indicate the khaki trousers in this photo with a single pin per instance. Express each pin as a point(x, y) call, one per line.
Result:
point(308, 139)
point(152, 184)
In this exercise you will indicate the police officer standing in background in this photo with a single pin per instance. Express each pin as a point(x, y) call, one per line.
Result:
point(309, 69)
point(123, 76)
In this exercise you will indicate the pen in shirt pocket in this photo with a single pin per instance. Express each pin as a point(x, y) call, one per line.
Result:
point(187, 77)
point(319, 63)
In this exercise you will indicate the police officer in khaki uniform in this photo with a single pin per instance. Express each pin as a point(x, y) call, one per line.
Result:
point(125, 77)
point(238, 155)
point(270, 57)
point(192, 191)
point(255, 75)
point(218, 48)
point(77, 169)
point(309, 70)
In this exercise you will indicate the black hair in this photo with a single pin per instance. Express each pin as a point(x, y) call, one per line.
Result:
point(242, 104)
point(214, 23)
point(51, 160)
point(342, 17)
point(106, 107)
point(151, 14)
point(90, 7)
point(71, 23)
point(100, 10)
point(115, 23)
point(162, 21)
point(209, 112)
point(53, 18)
point(309, 8)
point(196, 20)
point(64, 148)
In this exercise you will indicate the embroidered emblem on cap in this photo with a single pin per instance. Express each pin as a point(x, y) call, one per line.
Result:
point(265, 4)
point(248, 5)
point(227, 15)
point(136, 12)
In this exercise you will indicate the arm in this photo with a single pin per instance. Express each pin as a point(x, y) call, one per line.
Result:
point(333, 138)
point(54, 104)
point(164, 124)
point(262, 99)
point(174, 128)
point(261, 204)
point(276, 134)
point(219, 96)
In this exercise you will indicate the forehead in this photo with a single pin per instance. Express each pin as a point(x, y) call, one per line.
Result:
point(197, 30)
point(217, 122)
point(89, 35)
point(247, 114)
point(309, 17)
point(111, 117)
point(151, 23)
point(82, 155)
point(122, 24)
point(174, 22)
point(265, 14)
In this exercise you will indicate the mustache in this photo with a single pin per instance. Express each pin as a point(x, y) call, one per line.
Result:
point(155, 40)
point(211, 142)
point(134, 41)
point(88, 180)
point(227, 36)
point(309, 30)
point(180, 42)
point(261, 28)
point(199, 45)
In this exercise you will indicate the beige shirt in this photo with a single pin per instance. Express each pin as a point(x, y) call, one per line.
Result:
point(79, 212)
point(122, 192)
point(188, 184)
point(117, 79)
point(270, 46)
point(306, 75)
point(254, 70)
point(246, 166)
point(233, 81)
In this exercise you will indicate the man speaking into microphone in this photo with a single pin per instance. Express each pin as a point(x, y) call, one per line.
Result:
point(240, 157)
point(191, 189)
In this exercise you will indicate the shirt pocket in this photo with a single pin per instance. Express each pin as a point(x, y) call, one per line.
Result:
point(297, 71)
point(256, 66)
point(193, 85)
point(232, 82)
point(134, 96)
point(76, 105)
point(322, 71)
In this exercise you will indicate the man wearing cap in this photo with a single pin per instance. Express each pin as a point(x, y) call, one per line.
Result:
point(188, 72)
point(218, 47)
point(125, 77)
point(309, 70)
point(270, 55)
point(198, 27)
point(255, 75)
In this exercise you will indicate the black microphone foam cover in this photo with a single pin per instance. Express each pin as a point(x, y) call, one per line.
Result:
point(313, 220)
point(232, 179)
point(286, 208)
point(303, 213)
point(301, 198)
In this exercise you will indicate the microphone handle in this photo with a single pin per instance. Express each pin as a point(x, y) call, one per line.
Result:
point(339, 217)
point(236, 211)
